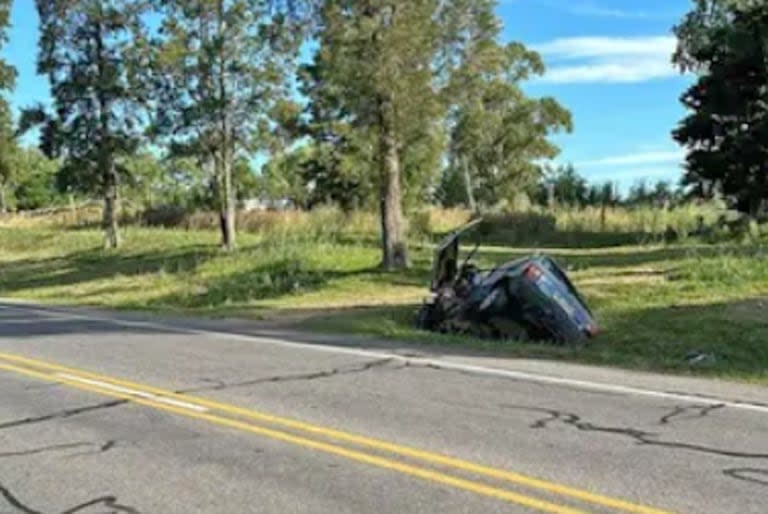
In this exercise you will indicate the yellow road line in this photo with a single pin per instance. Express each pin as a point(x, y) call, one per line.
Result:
point(377, 444)
point(407, 469)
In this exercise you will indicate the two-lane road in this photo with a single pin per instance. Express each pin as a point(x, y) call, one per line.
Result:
point(106, 414)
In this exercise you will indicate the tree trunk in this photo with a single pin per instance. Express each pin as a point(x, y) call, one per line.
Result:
point(468, 184)
point(3, 202)
point(394, 249)
point(73, 209)
point(227, 206)
point(111, 209)
point(106, 157)
point(603, 213)
point(226, 141)
point(551, 196)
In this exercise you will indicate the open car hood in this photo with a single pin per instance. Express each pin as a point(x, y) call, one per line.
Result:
point(445, 266)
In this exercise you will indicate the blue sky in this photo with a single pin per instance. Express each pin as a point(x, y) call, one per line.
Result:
point(608, 61)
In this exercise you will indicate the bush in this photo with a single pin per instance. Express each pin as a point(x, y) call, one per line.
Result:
point(167, 216)
point(516, 228)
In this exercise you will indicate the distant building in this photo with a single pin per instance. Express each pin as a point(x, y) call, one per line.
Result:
point(266, 204)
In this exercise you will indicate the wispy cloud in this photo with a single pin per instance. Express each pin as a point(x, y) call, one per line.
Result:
point(632, 159)
point(602, 10)
point(608, 59)
point(628, 176)
point(648, 162)
point(591, 9)
point(597, 46)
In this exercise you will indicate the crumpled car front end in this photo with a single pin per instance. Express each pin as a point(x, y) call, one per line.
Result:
point(527, 299)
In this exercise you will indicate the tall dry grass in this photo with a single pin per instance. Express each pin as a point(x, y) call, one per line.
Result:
point(535, 225)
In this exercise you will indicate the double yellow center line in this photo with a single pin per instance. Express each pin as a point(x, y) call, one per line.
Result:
point(449, 471)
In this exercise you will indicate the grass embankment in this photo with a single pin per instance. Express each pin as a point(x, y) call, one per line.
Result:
point(655, 303)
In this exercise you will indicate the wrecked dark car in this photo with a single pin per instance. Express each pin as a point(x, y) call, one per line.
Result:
point(525, 299)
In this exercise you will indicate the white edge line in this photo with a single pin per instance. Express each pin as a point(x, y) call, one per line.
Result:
point(417, 361)
point(57, 319)
point(132, 392)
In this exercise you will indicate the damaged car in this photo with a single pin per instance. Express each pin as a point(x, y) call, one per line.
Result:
point(529, 299)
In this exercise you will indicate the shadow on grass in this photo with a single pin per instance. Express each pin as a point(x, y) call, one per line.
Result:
point(638, 257)
point(730, 336)
point(95, 264)
point(271, 280)
point(542, 230)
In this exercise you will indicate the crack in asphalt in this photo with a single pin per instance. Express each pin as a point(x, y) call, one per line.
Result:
point(642, 437)
point(315, 375)
point(45, 449)
point(109, 502)
point(699, 411)
point(100, 448)
point(62, 414)
point(747, 475)
point(15, 502)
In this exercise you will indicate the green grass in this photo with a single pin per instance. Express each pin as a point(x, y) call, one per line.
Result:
point(655, 304)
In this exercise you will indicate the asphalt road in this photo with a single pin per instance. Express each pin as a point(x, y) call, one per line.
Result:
point(111, 414)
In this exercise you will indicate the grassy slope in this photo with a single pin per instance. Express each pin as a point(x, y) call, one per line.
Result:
point(655, 304)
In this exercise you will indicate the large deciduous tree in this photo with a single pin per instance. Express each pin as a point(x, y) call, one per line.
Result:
point(8, 151)
point(726, 132)
point(340, 165)
point(497, 133)
point(378, 56)
point(223, 71)
point(88, 52)
point(7, 82)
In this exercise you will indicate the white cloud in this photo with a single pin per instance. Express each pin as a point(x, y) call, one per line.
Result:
point(607, 59)
point(632, 159)
point(601, 10)
point(630, 175)
point(598, 46)
point(592, 9)
point(651, 165)
point(608, 12)
point(608, 73)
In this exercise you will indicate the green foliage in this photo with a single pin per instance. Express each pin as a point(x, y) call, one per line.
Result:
point(563, 185)
point(726, 43)
point(221, 71)
point(88, 51)
point(375, 67)
point(7, 140)
point(147, 178)
point(281, 177)
point(659, 194)
point(35, 184)
point(8, 155)
point(85, 50)
point(497, 133)
point(602, 194)
point(7, 72)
